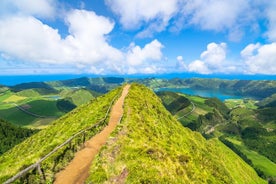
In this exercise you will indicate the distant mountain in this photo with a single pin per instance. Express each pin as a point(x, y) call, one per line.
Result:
point(251, 88)
point(41, 87)
point(101, 85)
point(148, 146)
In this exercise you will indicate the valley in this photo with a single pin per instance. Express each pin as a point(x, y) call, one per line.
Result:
point(239, 121)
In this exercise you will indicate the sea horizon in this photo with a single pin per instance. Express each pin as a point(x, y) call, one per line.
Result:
point(11, 80)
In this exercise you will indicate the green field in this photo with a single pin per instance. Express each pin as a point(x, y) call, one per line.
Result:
point(259, 161)
point(39, 106)
point(245, 103)
point(43, 105)
point(200, 109)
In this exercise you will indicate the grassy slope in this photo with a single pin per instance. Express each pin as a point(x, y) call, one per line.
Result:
point(244, 114)
point(28, 93)
point(38, 106)
point(150, 146)
point(29, 151)
point(79, 97)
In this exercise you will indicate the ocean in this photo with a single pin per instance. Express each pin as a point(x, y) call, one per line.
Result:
point(17, 79)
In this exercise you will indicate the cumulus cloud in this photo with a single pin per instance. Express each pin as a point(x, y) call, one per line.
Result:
point(198, 66)
point(211, 60)
point(86, 47)
point(214, 55)
point(260, 59)
point(40, 43)
point(151, 52)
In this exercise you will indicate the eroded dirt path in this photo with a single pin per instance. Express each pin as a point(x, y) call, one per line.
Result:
point(78, 169)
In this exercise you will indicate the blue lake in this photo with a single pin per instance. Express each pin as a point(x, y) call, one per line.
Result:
point(203, 93)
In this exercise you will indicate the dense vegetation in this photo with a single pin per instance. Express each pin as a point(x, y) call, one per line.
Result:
point(41, 143)
point(241, 120)
point(150, 146)
point(11, 135)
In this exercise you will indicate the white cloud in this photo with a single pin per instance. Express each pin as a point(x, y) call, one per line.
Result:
point(271, 15)
point(213, 60)
point(180, 65)
point(40, 43)
point(133, 14)
point(215, 14)
point(40, 8)
point(179, 58)
point(260, 59)
point(151, 52)
point(250, 49)
point(214, 55)
point(198, 66)
point(155, 16)
point(86, 47)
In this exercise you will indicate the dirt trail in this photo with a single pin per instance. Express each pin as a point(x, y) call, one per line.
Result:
point(78, 169)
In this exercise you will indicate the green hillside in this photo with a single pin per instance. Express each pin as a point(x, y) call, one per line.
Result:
point(150, 146)
point(241, 120)
point(40, 144)
point(78, 96)
point(10, 135)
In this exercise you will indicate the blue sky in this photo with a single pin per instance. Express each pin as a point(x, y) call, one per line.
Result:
point(137, 37)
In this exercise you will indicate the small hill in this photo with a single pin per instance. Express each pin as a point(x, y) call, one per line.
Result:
point(173, 102)
point(40, 87)
point(78, 96)
point(150, 146)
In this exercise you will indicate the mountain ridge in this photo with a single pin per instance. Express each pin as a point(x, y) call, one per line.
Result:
point(149, 146)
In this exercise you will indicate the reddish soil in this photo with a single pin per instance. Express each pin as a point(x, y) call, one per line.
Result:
point(77, 170)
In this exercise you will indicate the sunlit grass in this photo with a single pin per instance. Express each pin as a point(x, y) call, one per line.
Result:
point(150, 146)
point(38, 145)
